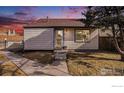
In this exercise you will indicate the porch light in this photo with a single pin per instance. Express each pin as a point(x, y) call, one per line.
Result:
point(5, 39)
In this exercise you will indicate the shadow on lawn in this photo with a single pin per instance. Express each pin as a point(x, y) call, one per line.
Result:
point(88, 65)
point(101, 58)
point(89, 55)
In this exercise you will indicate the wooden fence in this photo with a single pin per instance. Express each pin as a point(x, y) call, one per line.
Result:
point(106, 43)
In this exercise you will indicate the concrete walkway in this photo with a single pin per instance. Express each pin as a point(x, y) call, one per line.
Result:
point(32, 68)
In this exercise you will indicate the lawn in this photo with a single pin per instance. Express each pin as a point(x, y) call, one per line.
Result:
point(8, 68)
point(95, 64)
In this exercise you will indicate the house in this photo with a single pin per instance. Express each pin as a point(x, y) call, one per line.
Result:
point(50, 34)
point(7, 31)
point(8, 37)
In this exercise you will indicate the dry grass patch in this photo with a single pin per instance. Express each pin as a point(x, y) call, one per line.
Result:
point(3, 58)
point(96, 63)
point(8, 68)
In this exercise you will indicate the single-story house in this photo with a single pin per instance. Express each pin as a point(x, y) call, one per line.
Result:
point(50, 34)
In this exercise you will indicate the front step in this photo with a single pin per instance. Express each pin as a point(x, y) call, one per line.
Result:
point(60, 54)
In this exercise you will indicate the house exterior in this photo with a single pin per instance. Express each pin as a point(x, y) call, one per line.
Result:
point(8, 37)
point(7, 31)
point(50, 34)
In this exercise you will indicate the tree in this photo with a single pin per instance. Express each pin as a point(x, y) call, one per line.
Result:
point(108, 17)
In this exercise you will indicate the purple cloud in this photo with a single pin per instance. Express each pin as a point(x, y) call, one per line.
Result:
point(20, 13)
point(8, 21)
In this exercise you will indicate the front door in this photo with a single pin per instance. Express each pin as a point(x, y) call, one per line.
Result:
point(58, 38)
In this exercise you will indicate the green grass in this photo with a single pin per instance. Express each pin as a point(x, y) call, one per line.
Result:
point(91, 63)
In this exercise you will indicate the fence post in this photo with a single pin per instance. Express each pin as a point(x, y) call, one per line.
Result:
point(5, 42)
point(23, 45)
point(122, 72)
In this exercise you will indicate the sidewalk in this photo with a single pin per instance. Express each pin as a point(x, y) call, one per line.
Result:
point(32, 68)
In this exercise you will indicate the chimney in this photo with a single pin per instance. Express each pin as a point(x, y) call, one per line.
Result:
point(47, 19)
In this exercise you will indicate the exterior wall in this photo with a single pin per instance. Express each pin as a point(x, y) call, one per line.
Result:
point(70, 43)
point(38, 39)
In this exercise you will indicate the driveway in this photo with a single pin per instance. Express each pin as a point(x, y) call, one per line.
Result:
point(33, 68)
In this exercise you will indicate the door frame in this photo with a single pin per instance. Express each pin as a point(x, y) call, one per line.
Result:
point(62, 42)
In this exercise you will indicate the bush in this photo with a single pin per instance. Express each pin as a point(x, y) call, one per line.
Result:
point(40, 57)
point(46, 59)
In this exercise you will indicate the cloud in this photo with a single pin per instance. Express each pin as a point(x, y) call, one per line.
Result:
point(8, 21)
point(73, 11)
point(25, 13)
point(20, 13)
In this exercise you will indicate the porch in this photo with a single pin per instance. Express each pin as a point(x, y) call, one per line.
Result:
point(76, 38)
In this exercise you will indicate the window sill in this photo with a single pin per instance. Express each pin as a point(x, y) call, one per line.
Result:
point(82, 41)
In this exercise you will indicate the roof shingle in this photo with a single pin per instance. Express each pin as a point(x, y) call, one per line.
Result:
point(56, 23)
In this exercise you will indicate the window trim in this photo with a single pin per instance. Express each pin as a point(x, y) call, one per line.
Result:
point(75, 35)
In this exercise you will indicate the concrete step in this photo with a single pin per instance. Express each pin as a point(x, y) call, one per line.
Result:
point(60, 54)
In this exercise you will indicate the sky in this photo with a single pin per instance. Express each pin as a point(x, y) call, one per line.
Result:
point(11, 15)
point(35, 12)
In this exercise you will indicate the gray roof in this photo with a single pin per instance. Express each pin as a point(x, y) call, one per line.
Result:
point(56, 23)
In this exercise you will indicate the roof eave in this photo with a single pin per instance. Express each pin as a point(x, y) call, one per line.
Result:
point(49, 26)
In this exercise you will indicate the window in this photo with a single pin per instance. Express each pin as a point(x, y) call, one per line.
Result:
point(82, 35)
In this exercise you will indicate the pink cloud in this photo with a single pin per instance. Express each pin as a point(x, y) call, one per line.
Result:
point(72, 12)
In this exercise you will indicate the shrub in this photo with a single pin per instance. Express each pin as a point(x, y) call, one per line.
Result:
point(46, 59)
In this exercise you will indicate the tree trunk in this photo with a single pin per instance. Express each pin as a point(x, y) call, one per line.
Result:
point(120, 48)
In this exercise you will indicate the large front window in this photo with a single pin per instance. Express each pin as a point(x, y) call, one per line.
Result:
point(82, 35)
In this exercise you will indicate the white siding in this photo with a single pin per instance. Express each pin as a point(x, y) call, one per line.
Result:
point(71, 44)
point(38, 38)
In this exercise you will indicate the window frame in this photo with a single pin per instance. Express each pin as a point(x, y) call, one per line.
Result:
point(75, 30)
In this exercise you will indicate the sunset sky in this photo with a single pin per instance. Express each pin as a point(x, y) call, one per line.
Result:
point(10, 14)
point(34, 12)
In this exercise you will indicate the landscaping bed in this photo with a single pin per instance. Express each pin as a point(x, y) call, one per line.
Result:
point(44, 57)
point(95, 64)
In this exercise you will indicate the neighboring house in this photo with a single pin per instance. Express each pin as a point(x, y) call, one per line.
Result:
point(50, 34)
point(8, 37)
point(7, 31)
